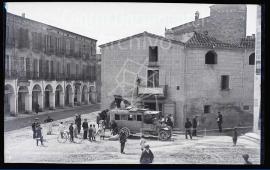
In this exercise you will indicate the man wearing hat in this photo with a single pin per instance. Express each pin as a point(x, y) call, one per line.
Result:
point(247, 162)
point(147, 156)
point(85, 128)
point(34, 124)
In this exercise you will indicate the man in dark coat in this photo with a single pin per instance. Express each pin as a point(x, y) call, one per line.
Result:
point(39, 136)
point(188, 126)
point(123, 140)
point(78, 122)
point(219, 122)
point(169, 122)
point(85, 128)
point(37, 108)
point(71, 129)
point(34, 124)
point(194, 126)
point(147, 156)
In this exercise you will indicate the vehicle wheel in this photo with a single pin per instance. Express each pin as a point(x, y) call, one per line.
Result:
point(164, 135)
point(62, 140)
point(126, 131)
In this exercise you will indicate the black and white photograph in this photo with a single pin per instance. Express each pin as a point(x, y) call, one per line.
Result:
point(132, 83)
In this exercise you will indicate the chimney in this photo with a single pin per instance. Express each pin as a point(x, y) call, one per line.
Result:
point(23, 15)
point(197, 14)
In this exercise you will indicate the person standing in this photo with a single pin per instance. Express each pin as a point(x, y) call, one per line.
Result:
point(94, 133)
point(78, 122)
point(71, 130)
point(235, 136)
point(123, 140)
point(90, 133)
point(75, 131)
point(219, 122)
point(169, 122)
point(194, 126)
point(39, 136)
point(37, 108)
point(147, 156)
point(61, 129)
point(247, 162)
point(34, 124)
point(85, 128)
point(188, 126)
point(49, 121)
point(102, 131)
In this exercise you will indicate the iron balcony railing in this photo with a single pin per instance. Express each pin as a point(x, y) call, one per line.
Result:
point(32, 75)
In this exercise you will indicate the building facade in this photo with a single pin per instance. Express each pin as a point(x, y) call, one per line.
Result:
point(185, 74)
point(48, 66)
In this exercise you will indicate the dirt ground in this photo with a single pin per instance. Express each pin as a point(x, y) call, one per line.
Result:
point(20, 147)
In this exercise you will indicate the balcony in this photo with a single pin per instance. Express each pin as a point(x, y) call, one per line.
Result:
point(160, 91)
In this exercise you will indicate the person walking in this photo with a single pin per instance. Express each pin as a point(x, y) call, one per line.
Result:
point(39, 136)
point(219, 122)
point(234, 136)
point(123, 140)
point(49, 121)
point(78, 122)
point(147, 155)
point(194, 126)
point(34, 124)
point(90, 133)
point(37, 108)
point(188, 126)
point(245, 157)
point(61, 129)
point(71, 130)
point(85, 128)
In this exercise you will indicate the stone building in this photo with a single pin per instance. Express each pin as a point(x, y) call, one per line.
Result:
point(48, 66)
point(191, 71)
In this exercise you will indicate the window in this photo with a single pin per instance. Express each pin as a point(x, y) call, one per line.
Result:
point(206, 109)
point(224, 82)
point(153, 54)
point(130, 117)
point(211, 57)
point(153, 78)
point(116, 117)
point(124, 117)
point(252, 59)
point(139, 117)
point(246, 107)
point(177, 88)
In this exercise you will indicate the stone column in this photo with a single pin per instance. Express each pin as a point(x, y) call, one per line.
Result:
point(79, 97)
point(41, 100)
point(28, 102)
point(52, 100)
point(62, 99)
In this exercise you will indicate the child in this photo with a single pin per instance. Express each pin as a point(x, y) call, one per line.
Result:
point(94, 133)
point(90, 133)
point(235, 136)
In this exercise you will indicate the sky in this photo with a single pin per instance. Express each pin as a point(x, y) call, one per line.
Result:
point(108, 22)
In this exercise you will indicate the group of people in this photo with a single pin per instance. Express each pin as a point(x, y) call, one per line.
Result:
point(191, 126)
point(89, 130)
point(168, 120)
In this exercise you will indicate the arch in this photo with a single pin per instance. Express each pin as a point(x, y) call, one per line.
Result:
point(23, 101)
point(9, 99)
point(49, 88)
point(251, 59)
point(58, 96)
point(36, 98)
point(48, 94)
point(211, 57)
point(68, 95)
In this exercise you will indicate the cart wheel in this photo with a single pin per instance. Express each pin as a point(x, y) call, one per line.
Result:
point(126, 131)
point(164, 135)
